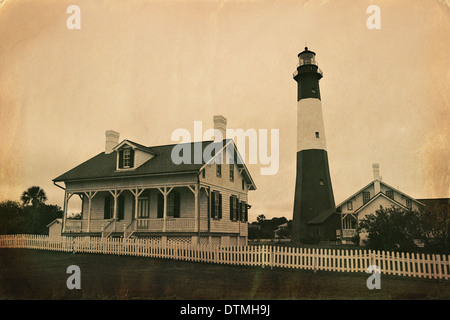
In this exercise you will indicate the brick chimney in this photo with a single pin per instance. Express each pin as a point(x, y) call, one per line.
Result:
point(112, 140)
point(220, 123)
point(376, 177)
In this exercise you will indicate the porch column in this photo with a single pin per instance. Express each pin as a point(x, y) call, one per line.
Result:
point(136, 203)
point(115, 194)
point(196, 191)
point(165, 193)
point(136, 193)
point(196, 208)
point(67, 197)
point(90, 195)
point(65, 211)
point(165, 209)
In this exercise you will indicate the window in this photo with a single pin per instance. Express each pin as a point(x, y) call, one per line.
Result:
point(126, 158)
point(143, 208)
point(349, 222)
point(233, 208)
point(349, 205)
point(109, 207)
point(219, 170)
point(203, 173)
point(231, 166)
point(216, 205)
point(108, 212)
point(366, 196)
point(317, 135)
point(390, 193)
point(243, 212)
point(243, 184)
point(170, 204)
point(173, 205)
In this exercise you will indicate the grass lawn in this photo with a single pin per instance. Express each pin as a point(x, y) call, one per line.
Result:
point(32, 274)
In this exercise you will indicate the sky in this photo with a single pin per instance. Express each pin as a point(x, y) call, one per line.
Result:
point(147, 68)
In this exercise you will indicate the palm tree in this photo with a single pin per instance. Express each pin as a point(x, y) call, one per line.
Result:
point(36, 196)
point(261, 218)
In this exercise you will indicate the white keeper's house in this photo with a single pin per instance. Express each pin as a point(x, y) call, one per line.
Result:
point(368, 200)
point(131, 190)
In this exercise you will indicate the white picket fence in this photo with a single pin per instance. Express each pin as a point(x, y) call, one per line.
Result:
point(393, 263)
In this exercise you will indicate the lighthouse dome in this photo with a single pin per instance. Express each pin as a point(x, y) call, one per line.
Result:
point(307, 57)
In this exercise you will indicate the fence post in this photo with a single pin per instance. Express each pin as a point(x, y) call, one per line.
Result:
point(314, 259)
point(261, 251)
point(272, 256)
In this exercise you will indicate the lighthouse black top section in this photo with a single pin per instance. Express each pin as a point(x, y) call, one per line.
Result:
point(307, 76)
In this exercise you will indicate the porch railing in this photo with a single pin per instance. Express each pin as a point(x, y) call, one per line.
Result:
point(109, 228)
point(131, 228)
point(150, 224)
point(96, 225)
point(180, 224)
point(73, 225)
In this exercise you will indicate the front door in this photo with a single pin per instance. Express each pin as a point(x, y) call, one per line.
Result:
point(143, 213)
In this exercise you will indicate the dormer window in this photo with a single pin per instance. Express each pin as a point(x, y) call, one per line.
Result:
point(126, 158)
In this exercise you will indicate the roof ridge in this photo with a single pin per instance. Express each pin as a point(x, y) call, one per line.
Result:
point(174, 144)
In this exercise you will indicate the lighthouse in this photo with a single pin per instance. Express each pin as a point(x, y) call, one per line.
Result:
point(314, 200)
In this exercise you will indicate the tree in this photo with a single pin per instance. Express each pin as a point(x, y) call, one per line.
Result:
point(12, 219)
point(261, 218)
point(392, 229)
point(435, 222)
point(36, 197)
point(47, 213)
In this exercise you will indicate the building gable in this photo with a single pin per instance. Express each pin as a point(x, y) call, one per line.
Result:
point(357, 201)
point(228, 164)
point(130, 156)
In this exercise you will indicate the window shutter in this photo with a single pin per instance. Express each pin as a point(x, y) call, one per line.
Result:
point(160, 205)
point(121, 207)
point(213, 204)
point(133, 208)
point(176, 213)
point(132, 158)
point(246, 213)
point(209, 205)
point(120, 159)
point(220, 206)
point(231, 207)
point(239, 211)
point(107, 207)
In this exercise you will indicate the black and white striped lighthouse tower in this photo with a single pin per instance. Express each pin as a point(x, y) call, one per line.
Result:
point(313, 190)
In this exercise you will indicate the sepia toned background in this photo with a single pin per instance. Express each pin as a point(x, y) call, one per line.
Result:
point(146, 68)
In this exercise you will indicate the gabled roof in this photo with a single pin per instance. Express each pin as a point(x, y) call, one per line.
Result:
point(135, 146)
point(383, 183)
point(237, 159)
point(321, 217)
point(379, 194)
point(57, 220)
point(103, 165)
